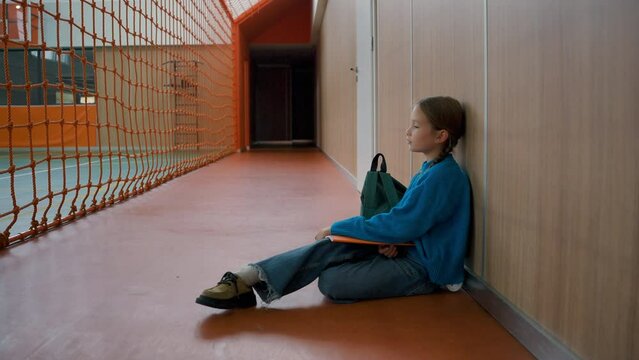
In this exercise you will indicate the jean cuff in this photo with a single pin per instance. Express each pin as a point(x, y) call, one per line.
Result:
point(263, 288)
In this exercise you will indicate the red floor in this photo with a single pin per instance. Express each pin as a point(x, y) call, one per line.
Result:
point(121, 284)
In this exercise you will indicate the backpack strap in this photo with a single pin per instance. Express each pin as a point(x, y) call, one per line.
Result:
point(375, 161)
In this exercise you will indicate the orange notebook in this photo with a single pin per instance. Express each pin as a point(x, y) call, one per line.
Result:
point(352, 240)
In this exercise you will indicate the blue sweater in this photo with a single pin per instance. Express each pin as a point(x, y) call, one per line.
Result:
point(434, 213)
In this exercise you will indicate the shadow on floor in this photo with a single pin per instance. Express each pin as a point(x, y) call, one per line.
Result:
point(407, 327)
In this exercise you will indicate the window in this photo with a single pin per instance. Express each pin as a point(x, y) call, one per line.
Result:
point(65, 68)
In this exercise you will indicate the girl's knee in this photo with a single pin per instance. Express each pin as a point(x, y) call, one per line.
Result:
point(332, 286)
point(324, 283)
point(329, 284)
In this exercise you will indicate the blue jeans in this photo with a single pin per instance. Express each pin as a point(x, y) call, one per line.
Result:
point(347, 273)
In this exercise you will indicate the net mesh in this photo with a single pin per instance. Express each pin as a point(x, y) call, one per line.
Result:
point(105, 99)
point(239, 7)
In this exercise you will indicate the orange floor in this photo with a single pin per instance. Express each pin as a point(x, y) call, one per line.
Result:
point(121, 284)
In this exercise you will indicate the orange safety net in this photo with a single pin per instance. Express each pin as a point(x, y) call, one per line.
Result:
point(239, 7)
point(101, 100)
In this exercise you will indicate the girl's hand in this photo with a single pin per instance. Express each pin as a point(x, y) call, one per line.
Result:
point(388, 250)
point(323, 233)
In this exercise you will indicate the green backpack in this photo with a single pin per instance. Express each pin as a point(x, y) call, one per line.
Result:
point(381, 191)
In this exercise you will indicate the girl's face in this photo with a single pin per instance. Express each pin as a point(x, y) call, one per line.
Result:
point(422, 137)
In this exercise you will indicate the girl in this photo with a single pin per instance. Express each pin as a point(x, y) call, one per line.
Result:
point(434, 213)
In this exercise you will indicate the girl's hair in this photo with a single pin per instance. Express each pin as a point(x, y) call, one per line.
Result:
point(445, 113)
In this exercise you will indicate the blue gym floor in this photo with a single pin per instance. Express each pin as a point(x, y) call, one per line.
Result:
point(62, 175)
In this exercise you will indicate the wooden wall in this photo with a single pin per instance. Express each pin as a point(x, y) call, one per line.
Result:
point(560, 172)
point(147, 91)
point(336, 55)
point(394, 92)
point(448, 60)
point(415, 59)
point(563, 172)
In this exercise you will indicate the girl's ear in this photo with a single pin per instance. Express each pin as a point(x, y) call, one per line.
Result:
point(442, 137)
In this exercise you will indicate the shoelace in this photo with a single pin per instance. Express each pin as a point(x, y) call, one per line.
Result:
point(230, 278)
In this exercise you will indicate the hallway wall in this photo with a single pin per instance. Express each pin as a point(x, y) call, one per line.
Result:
point(557, 181)
point(213, 104)
point(337, 101)
point(563, 173)
point(427, 49)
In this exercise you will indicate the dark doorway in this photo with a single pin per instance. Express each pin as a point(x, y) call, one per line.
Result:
point(282, 96)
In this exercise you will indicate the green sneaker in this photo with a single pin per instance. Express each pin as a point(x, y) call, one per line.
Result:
point(230, 293)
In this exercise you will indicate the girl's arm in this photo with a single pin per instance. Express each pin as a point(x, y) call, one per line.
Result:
point(323, 233)
point(423, 205)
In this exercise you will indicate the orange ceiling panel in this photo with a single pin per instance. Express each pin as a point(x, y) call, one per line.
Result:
point(277, 21)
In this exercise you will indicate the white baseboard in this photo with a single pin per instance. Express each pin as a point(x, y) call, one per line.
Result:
point(352, 179)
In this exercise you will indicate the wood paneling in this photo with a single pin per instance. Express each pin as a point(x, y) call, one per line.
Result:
point(563, 188)
point(394, 83)
point(562, 228)
point(337, 84)
point(146, 103)
point(562, 232)
point(448, 60)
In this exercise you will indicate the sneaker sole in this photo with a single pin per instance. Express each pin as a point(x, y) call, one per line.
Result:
point(246, 300)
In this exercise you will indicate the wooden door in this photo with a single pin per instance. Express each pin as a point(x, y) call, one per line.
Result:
point(272, 116)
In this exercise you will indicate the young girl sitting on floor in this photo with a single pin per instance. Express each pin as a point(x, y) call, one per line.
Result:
point(434, 214)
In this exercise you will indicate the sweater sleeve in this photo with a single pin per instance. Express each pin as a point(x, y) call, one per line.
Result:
point(422, 206)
